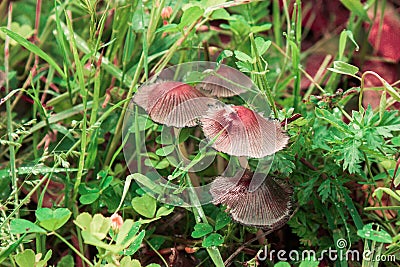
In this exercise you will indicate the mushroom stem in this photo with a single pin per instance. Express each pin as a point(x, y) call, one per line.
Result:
point(244, 163)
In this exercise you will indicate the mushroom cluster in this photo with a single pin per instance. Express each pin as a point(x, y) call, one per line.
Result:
point(234, 130)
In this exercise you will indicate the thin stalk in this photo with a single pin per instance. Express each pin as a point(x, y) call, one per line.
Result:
point(262, 79)
point(83, 91)
point(9, 116)
point(154, 19)
point(276, 17)
point(73, 249)
point(201, 217)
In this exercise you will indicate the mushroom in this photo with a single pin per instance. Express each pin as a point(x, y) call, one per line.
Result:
point(225, 82)
point(172, 103)
point(239, 131)
point(268, 207)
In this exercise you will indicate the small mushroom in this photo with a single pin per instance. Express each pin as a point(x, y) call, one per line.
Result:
point(268, 207)
point(225, 82)
point(172, 103)
point(239, 131)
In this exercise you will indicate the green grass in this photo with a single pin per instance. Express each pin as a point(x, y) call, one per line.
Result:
point(67, 89)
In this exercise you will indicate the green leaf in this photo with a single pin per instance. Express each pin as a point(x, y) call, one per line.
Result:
point(351, 156)
point(34, 49)
point(344, 68)
point(164, 211)
point(52, 220)
point(21, 226)
point(330, 118)
point(309, 263)
point(262, 45)
point(66, 261)
point(6, 252)
point(201, 229)
point(343, 40)
point(396, 141)
point(153, 265)
point(135, 245)
point(145, 205)
point(89, 239)
point(105, 182)
point(261, 28)
point(392, 92)
point(356, 7)
point(26, 258)
point(190, 15)
point(224, 54)
point(282, 264)
point(243, 56)
point(378, 193)
point(244, 66)
point(165, 150)
point(184, 135)
point(89, 198)
point(83, 221)
point(46, 258)
point(369, 232)
point(213, 240)
point(220, 14)
point(24, 30)
point(99, 226)
point(127, 232)
point(128, 262)
point(222, 220)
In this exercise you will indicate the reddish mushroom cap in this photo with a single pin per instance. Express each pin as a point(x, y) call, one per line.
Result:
point(268, 207)
point(225, 82)
point(240, 131)
point(172, 103)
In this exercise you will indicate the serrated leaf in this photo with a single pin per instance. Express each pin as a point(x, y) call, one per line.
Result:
point(213, 240)
point(262, 45)
point(243, 56)
point(21, 226)
point(145, 205)
point(330, 118)
point(201, 229)
point(324, 190)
